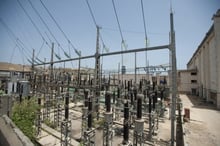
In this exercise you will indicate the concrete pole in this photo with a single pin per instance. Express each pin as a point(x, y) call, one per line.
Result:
point(32, 68)
point(51, 63)
point(135, 68)
point(79, 71)
point(97, 74)
point(174, 80)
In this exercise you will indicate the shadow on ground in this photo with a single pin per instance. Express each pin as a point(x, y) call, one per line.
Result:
point(198, 102)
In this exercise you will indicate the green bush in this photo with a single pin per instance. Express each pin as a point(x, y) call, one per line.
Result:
point(23, 115)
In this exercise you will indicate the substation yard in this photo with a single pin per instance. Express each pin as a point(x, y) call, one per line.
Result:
point(160, 136)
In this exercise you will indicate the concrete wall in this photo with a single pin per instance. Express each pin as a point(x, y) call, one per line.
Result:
point(216, 19)
point(10, 135)
point(5, 105)
point(207, 62)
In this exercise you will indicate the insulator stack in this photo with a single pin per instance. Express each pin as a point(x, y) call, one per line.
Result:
point(126, 123)
point(118, 92)
point(90, 114)
point(149, 104)
point(125, 84)
point(114, 97)
point(108, 102)
point(155, 96)
point(135, 94)
point(140, 85)
point(129, 85)
point(67, 106)
point(162, 95)
point(139, 107)
point(154, 84)
point(132, 99)
point(86, 93)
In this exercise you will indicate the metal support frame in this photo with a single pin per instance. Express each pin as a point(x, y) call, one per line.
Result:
point(138, 133)
point(46, 114)
point(89, 137)
point(65, 132)
point(171, 46)
point(109, 54)
point(174, 79)
point(107, 130)
point(97, 75)
point(57, 112)
point(38, 122)
point(84, 121)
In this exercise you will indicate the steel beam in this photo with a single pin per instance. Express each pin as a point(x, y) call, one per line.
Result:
point(109, 54)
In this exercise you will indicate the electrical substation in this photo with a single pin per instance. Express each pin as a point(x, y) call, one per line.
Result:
point(63, 95)
point(92, 108)
point(95, 108)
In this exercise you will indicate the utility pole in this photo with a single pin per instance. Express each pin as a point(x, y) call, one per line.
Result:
point(32, 68)
point(51, 63)
point(174, 83)
point(97, 72)
point(44, 64)
point(79, 70)
point(135, 68)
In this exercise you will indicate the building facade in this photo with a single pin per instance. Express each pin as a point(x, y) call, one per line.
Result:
point(188, 82)
point(206, 61)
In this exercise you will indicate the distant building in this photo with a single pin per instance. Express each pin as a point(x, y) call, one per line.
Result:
point(188, 81)
point(12, 72)
point(206, 60)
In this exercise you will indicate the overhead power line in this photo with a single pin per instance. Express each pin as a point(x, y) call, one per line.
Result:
point(76, 51)
point(145, 29)
point(90, 10)
point(145, 32)
point(119, 26)
point(29, 17)
point(94, 20)
point(45, 24)
point(13, 37)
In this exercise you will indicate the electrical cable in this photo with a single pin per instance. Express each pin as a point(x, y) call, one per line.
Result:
point(94, 20)
point(45, 24)
point(29, 17)
point(145, 32)
point(76, 51)
point(119, 26)
point(12, 55)
point(13, 37)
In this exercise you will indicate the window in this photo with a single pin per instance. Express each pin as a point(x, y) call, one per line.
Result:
point(193, 73)
point(193, 81)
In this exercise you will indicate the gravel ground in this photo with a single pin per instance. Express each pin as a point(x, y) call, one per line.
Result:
point(203, 127)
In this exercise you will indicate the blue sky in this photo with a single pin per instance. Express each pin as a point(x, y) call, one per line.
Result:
point(192, 20)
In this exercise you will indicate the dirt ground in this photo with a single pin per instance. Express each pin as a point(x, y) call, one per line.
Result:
point(204, 125)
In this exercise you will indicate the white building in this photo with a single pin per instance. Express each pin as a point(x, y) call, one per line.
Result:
point(188, 81)
point(206, 60)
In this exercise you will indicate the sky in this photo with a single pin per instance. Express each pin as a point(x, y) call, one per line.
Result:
point(19, 36)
